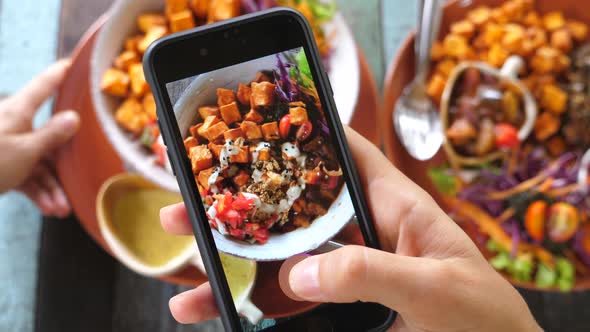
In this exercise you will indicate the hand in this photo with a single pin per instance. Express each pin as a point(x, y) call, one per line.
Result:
point(27, 154)
point(429, 270)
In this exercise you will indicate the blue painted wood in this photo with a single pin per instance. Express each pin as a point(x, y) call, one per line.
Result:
point(28, 35)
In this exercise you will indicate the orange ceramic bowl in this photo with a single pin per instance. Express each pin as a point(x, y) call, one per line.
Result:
point(401, 71)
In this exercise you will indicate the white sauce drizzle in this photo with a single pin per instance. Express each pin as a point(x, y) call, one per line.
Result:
point(290, 150)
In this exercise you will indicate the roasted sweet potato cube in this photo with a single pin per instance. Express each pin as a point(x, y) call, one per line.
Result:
point(263, 94)
point(115, 82)
point(561, 39)
point(579, 30)
point(194, 130)
point(131, 117)
point(445, 67)
point(201, 158)
point(216, 130)
point(270, 130)
point(204, 175)
point(209, 121)
point(190, 142)
point(148, 20)
point(497, 55)
point(175, 6)
point(243, 94)
point(132, 42)
point(216, 149)
point(205, 111)
point(225, 96)
point(220, 10)
point(261, 154)
point(463, 28)
point(545, 60)
point(251, 130)
point(230, 113)
point(554, 99)
point(233, 134)
point(298, 115)
point(241, 178)
point(253, 116)
point(532, 19)
point(435, 87)
point(151, 36)
point(139, 85)
point(124, 60)
point(149, 105)
point(553, 21)
point(200, 8)
point(455, 45)
point(546, 125)
point(241, 157)
point(181, 21)
point(479, 16)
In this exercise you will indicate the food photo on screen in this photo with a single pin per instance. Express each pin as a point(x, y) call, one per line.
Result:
point(260, 148)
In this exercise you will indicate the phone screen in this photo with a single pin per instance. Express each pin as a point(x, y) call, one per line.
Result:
point(268, 174)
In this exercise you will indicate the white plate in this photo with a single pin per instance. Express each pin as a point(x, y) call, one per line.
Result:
point(344, 77)
point(192, 92)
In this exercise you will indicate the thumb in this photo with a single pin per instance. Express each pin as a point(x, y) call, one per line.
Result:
point(356, 273)
point(56, 132)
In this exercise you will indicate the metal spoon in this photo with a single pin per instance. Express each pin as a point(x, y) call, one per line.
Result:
point(416, 120)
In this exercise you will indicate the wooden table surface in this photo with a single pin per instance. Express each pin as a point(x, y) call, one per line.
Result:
point(73, 285)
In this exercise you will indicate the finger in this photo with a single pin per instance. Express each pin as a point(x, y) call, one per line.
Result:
point(41, 87)
point(392, 197)
point(46, 178)
point(392, 280)
point(40, 197)
point(195, 305)
point(174, 220)
point(55, 133)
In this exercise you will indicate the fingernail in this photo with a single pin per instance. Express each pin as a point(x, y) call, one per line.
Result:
point(68, 120)
point(175, 299)
point(304, 279)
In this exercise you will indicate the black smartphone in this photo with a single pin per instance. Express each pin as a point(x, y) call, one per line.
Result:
point(253, 135)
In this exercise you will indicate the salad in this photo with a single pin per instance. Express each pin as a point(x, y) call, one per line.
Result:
point(136, 112)
point(262, 156)
point(526, 209)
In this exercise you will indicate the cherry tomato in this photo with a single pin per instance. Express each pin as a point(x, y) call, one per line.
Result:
point(506, 135)
point(534, 220)
point(285, 126)
point(261, 235)
point(563, 222)
point(304, 131)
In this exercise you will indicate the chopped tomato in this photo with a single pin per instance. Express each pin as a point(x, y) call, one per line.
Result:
point(233, 217)
point(285, 126)
point(261, 235)
point(251, 227)
point(237, 233)
point(534, 220)
point(242, 203)
point(270, 221)
point(506, 135)
point(212, 222)
point(224, 203)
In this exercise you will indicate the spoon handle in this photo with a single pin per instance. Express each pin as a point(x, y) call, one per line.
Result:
point(429, 14)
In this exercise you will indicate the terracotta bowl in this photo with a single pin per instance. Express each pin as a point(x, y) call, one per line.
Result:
point(401, 71)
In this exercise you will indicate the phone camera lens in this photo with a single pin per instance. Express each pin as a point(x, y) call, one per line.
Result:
point(203, 51)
